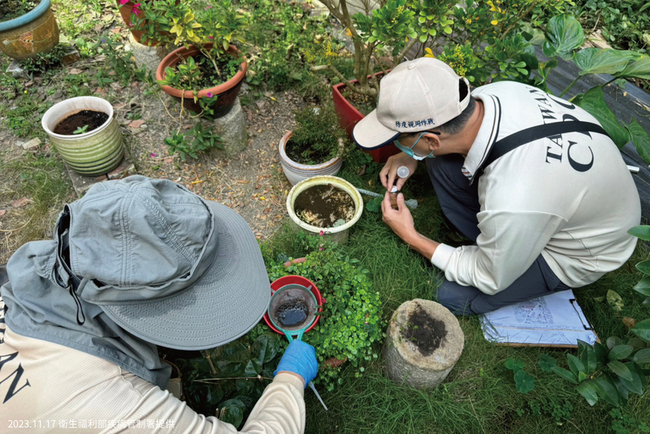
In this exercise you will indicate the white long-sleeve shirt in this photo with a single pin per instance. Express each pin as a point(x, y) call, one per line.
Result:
point(569, 197)
point(50, 388)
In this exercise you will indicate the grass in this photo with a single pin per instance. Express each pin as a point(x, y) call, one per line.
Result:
point(479, 395)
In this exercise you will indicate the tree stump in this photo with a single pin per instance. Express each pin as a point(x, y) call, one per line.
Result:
point(424, 341)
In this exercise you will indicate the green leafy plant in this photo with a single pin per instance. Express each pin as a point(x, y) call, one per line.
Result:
point(350, 326)
point(524, 382)
point(227, 381)
point(564, 35)
point(624, 24)
point(80, 130)
point(203, 140)
point(317, 136)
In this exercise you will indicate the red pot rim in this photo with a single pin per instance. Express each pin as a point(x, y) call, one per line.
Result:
point(285, 280)
point(174, 58)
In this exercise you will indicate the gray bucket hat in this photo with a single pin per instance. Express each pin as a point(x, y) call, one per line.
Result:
point(164, 264)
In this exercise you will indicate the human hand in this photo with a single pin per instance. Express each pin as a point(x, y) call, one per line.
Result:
point(300, 359)
point(400, 220)
point(388, 173)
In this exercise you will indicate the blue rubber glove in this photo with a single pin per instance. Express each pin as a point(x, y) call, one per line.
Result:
point(300, 358)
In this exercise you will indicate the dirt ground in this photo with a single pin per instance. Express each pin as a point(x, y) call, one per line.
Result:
point(251, 183)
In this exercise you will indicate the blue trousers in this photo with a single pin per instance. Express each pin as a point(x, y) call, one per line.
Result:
point(459, 203)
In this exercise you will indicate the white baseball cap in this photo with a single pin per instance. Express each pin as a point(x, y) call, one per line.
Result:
point(417, 95)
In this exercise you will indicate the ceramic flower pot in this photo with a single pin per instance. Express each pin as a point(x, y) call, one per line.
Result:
point(296, 172)
point(349, 116)
point(337, 234)
point(94, 153)
point(33, 33)
point(226, 93)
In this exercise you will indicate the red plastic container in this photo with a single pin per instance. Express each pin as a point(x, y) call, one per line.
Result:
point(348, 118)
point(295, 280)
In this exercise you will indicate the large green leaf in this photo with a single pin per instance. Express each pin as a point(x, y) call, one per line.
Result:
point(563, 35)
point(644, 266)
point(640, 139)
point(642, 357)
point(587, 356)
point(638, 69)
point(547, 362)
point(620, 352)
point(575, 364)
point(603, 61)
point(641, 231)
point(567, 375)
point(635, 385)
point(642, 330)
point(588, 390)
point(643, 286)
point(594, 102)
point(232, 411)
point(620, 369)
point(606, 391)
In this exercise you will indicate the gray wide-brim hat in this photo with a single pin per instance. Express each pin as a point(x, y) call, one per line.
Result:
point(166, 265)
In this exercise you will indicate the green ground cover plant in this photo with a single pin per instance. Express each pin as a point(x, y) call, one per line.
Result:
point(316, 137)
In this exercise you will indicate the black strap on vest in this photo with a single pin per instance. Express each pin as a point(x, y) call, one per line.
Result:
point(513, 141)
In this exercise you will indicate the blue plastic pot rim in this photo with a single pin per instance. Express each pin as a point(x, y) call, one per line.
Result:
point(30, 16)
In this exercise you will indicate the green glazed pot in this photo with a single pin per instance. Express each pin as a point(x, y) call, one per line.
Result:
point(94, 153)
point(33, 33)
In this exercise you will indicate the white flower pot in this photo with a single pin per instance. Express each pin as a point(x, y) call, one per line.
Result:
point(296, 172)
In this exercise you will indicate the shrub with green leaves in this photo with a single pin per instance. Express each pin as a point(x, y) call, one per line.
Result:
point(350, 327)
point(316, 138)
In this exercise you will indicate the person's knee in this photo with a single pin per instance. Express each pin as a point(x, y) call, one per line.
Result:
point(456, 299)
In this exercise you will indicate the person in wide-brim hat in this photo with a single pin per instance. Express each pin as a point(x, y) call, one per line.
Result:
point(136, 264)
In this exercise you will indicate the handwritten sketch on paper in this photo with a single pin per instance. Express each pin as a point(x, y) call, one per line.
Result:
point(555, 319)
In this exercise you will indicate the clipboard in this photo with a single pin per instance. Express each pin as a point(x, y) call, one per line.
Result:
point(554, 321)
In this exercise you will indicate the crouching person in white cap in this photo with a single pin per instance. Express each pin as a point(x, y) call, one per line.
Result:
point(533, 180)
point(135, 264)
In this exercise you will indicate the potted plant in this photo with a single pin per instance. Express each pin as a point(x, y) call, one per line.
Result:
point(28, 27)
point(86, 134)
point(325, 205)
point(314, 148)
point(207, 72)
point(147, 20)
point(350, 328)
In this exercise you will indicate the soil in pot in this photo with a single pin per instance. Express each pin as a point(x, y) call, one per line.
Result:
point(324, 206)
point(307, 154)
point(363, 103)
point(10, 9)
point(292, 313)
point(228, 66)
point(94, 119)
point(425, 332)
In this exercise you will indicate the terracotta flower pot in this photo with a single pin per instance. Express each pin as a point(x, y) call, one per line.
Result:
point(28, 35)
point(296, 172)
point(226, 93)
point(349, 116)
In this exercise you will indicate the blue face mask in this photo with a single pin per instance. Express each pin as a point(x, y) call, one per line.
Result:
point(410, 152)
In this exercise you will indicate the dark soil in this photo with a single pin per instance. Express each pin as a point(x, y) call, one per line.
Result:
point(92, 118)
point(305, 154)
point(10, 9)
point(292, 314)
point(425, 332)
point(323, 205)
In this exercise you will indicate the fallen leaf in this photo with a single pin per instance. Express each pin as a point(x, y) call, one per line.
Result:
point(75, 71)
point(3, 212)
point(629, 322)
point(21, 202)
point(136, 124)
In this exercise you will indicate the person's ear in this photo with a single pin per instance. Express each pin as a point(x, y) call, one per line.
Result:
point(433, 141)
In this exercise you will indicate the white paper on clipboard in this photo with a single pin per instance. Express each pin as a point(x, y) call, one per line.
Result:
point(555, 319)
